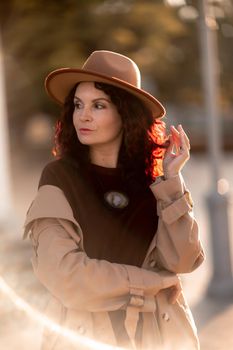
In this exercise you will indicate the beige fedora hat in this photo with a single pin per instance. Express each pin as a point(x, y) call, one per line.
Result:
point(107, 67)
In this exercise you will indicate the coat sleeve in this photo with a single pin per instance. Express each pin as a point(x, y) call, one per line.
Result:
point(178, 246)
point(63, 267)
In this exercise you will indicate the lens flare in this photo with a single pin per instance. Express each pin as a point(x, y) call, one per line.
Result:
point(70, 336)
point(46, 322)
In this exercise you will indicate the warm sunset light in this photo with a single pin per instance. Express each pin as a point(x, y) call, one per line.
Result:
point(46, 322)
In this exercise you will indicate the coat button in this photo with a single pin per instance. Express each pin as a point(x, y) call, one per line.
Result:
point(165, 316)
point(81, 330)
point(152, 263)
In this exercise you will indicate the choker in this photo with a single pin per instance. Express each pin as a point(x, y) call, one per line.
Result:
point(117, 200)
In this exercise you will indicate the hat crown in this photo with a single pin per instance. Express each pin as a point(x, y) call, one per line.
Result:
point(114, 65)
point(105, 67)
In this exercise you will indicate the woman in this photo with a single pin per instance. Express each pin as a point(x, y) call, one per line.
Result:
point(109, 234)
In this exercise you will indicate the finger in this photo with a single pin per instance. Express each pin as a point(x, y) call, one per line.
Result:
point(184, 142)
point(175, 133)
point(171, 144)
point(183, 145)
point(175, 293)
point(184, 136)
point(176, 137)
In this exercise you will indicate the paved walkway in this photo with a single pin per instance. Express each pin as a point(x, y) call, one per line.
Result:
point(218, 333)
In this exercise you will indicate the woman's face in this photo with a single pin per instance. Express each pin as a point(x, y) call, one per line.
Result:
point(96, 119)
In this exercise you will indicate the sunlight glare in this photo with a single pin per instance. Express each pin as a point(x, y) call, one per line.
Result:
point(45, 321)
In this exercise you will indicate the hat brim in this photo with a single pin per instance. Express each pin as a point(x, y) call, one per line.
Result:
point(59, 83)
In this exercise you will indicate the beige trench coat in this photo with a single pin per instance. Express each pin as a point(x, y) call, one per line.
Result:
point(83, 290)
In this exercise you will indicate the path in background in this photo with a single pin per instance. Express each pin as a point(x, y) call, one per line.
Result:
point(15, 254)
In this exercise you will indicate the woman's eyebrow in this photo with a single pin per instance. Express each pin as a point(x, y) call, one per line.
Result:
point(77, 98)
point(95, 100)
point(101, 98)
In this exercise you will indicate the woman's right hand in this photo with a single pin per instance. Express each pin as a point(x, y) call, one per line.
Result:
point(171, 281)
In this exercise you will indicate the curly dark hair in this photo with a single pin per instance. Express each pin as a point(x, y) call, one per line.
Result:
point(144, 139)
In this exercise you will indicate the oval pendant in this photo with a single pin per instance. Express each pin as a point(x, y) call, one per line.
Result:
point(116, 199)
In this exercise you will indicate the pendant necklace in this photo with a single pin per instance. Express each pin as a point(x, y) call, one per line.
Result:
point(116, 199)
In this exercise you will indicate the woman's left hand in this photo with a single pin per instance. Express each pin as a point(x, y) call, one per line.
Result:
point(177, 153)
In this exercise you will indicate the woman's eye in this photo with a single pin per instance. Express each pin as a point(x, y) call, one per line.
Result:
point(77, 105)
point(99, 106)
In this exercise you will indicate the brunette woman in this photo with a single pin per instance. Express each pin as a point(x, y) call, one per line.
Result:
point(112, 224)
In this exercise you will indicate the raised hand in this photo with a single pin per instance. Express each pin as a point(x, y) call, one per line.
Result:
point(177, 153)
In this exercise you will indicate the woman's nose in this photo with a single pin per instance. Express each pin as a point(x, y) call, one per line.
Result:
point(85, 114)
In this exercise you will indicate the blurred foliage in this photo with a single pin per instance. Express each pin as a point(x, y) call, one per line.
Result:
point(39, 36)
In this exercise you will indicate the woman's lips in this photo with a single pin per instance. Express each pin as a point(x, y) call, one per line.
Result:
point(85, 131)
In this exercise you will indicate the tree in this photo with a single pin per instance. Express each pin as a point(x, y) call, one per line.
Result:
point(39, 36)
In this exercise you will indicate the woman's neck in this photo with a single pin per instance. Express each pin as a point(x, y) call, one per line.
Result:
point(102, 158)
